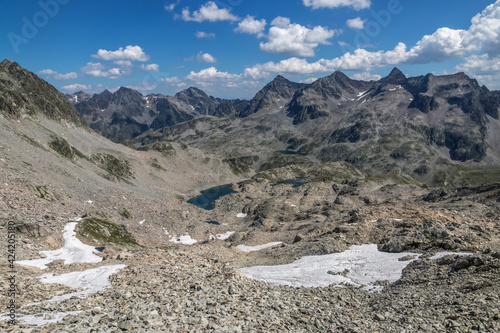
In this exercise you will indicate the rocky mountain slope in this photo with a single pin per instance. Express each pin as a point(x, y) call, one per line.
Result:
point(423, 126)
point(22, 93)
point(125, 114)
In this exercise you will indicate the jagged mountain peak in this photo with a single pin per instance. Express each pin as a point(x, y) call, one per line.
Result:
point(7, 63)
point(126, 91)
point(338, 79)
point(280, 78)
point(191, 92)
point(395, 77)
point(279, 90)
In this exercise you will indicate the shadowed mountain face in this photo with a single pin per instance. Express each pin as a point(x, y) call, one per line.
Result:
point(274, 94)
point(125, 114)
point(24, 93)
point(420, 126)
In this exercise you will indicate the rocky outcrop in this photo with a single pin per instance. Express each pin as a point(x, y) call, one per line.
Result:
point(24, 93)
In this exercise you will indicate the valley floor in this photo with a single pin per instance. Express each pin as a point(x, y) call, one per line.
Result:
point(160, 285)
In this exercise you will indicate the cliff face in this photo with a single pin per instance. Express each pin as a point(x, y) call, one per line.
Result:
point(418, 125)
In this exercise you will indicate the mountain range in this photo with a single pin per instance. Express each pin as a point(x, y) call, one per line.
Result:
point(420, 126)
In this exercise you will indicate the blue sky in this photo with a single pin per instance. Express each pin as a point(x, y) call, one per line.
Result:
point(232, 48)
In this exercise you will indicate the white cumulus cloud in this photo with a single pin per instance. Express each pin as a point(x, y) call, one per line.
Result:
point(479, 46)
point(293, 39)
point(67, 76)
point(47, 72)
point(356, 23)
point(202, 34)
point(359, 60)
point(172, 79)
point(170, 7)
point(206, 57)
point(76, 87)
point(130, 53)
point(97, 69)
point(481, 64)
point(150, 67)
point(208, 12)
point(356, 4)
point(58, 76)
point(252, 26)
point(366, 76)
point(211, 74)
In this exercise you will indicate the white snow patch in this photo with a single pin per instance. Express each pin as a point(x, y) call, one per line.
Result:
point(91, 281)
point(241, 215)
point(142, 222)
point(72, 251)
point(394, 89)
point(398, 220)
point(246, 248)
point(362, 95)
point(212, 237)
point(293, 206)
point(42, 318)
point(359, 265)
point(89, 201)
point(225, 235)
point(440, 255)
point(186, 240)
point(165, 231)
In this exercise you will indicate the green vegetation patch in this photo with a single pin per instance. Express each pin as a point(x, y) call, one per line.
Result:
point(33, 141)
point(395, 178)
point(105, 233)
point(336, 171)
point(43, 193)
point(63, 148)
point(237, 165)
point(280, 174)
point(466, 175)
point(116, 167)
point(165, 148)
point(156, 164)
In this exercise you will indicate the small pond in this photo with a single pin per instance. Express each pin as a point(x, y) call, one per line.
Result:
point(297, 182)
point(291, 152)
point(207, 198)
